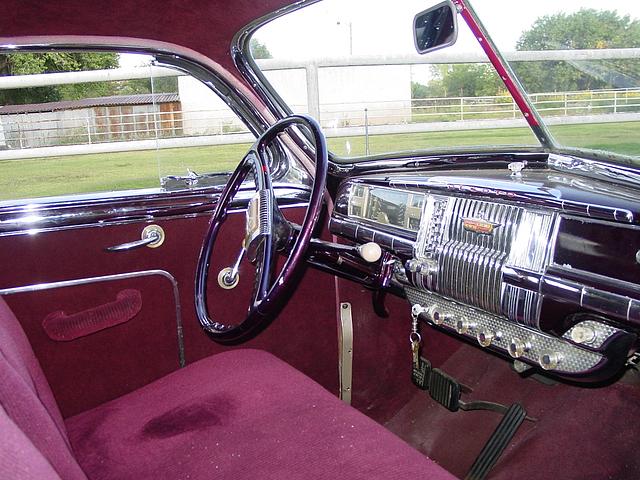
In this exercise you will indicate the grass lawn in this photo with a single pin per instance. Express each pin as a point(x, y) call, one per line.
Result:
point(39, 177)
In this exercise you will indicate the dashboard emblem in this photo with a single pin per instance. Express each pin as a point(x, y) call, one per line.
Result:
point(479, 225)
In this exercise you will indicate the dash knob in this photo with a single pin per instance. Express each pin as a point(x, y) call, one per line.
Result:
point(549, 360)
point(517, 347)
point(485, 338)
point(370, 252)
point(464, 325)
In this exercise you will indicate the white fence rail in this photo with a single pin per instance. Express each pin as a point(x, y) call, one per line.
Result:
point(73, 129)
point(85, 127)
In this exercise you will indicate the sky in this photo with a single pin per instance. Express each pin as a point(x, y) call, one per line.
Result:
point(377, 27)
point(336, 28)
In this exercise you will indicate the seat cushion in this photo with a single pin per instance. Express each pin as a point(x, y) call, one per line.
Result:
point(28, 403)
point(242, 414)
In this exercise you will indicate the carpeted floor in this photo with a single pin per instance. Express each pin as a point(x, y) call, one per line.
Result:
point(581, 433)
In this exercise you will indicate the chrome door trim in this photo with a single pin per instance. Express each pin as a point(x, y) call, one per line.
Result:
point(108, 278)
point(34, 231)
point(81, 211)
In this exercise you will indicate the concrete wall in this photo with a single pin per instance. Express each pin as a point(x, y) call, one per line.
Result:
point(343, 93)
point(203, 112)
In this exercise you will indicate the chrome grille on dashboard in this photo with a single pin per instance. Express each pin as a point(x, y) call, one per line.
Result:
point(465, 243)
point(470, 263)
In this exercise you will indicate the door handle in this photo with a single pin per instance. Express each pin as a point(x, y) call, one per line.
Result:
point(152, 236)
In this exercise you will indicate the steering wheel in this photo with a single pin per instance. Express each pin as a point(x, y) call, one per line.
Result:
point(267, 232)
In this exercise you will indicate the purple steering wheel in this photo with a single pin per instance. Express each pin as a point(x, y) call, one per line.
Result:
point(267, 232)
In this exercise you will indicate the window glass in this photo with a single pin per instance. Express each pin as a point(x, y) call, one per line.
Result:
point(354, 67)
point(579, 62)
point(73, 123)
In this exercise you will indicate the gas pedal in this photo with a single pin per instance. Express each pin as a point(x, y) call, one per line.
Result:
point(498, 441)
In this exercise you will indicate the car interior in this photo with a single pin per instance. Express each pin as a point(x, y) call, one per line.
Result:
point(305, 311)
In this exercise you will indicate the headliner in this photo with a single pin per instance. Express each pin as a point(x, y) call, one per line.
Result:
point(206, 26)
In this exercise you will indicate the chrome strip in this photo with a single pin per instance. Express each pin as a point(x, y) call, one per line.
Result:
point(73, 212)
point(108, 278)
point(598, 170)
point(577, 359)
point(345, 343)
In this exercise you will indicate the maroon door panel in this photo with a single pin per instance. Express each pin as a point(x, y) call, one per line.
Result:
point(95, 367)
point(137, 351)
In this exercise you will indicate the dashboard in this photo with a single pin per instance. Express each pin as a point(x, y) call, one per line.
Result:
point(540, 266)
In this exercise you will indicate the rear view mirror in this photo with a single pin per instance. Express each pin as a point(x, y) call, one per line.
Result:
point(435, 28)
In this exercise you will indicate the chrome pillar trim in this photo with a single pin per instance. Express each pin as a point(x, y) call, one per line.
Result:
point(166, 54)
point(109, 278)
point(345, 343)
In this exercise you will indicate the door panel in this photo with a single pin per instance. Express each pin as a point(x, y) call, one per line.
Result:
point(100, 366)
point(86, 371)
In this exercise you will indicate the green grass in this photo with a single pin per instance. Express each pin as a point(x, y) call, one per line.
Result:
point(39, 177)
point(621, 138)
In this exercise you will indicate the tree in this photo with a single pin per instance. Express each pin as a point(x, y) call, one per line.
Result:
point(585, 29)
point(460, 80)
point(258, 49)
point(52, 62)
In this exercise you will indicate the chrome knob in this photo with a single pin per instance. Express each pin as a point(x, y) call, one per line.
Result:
point(438, 316)
point(464, 325)
point(412, 265)
point(583, 334)
point(550, 360)
point(485, 338)
point(517, 347)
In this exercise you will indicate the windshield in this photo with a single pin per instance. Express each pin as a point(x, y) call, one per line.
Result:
point(354, 67)
point(578, 62)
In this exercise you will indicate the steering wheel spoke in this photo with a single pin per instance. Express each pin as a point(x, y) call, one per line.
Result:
point(267, 233)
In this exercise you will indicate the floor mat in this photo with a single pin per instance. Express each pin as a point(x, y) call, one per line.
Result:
point(581, 433)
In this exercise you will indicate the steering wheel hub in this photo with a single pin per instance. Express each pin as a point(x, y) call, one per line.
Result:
point(265, 234)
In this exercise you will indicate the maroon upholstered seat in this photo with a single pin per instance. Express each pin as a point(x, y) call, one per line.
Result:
point(240, 414)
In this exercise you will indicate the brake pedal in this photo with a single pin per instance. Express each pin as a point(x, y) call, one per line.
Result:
point(445, 390)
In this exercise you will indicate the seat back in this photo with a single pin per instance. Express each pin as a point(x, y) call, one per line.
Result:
point(28, 401)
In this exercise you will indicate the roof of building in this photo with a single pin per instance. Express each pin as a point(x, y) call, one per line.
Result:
point(113, 101)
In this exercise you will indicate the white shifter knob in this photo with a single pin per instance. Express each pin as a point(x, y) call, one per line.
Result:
point(370, 252)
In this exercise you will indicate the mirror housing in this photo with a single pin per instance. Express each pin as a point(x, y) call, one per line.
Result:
point(435, 27)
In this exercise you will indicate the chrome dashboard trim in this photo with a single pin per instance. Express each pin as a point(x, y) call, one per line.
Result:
point(512, 192)
point(109, 278)
point(552, 285)
point(577, 360)
point(595, 169)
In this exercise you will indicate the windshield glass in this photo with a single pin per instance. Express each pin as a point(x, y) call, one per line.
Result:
point(353, 65)
point(578, 62)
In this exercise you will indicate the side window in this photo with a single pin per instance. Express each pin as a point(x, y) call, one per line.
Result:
point(75, 123)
